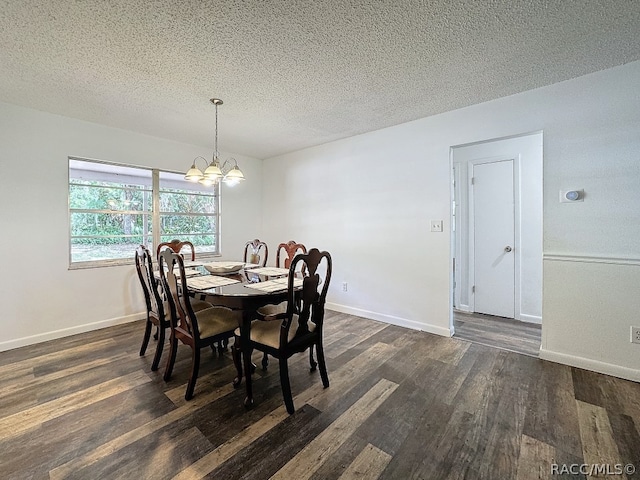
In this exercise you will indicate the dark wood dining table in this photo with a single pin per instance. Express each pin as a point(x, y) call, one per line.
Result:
point(238, 296)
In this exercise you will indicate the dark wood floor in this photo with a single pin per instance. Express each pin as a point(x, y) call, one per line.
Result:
point(498, 332)
point(402, 404)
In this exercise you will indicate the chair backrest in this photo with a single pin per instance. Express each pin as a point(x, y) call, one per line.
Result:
point(174, 282)
point(144, 266)
point(290, 248)
point(177, 245)
point(309, 305)
point(252, 252)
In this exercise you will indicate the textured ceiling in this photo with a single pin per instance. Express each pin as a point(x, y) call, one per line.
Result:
point(295, 73)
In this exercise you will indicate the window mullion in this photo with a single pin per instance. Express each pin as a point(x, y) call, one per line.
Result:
point(155, 222)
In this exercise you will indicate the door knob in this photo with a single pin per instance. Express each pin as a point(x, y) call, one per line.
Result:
point(507, 249)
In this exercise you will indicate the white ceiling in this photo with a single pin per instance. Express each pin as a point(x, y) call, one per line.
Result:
point(295, 73)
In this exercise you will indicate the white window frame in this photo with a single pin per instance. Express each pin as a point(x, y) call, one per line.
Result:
point(154, 216)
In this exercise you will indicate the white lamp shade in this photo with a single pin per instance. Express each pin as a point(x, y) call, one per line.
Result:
point(194, 174)
point(207, 182)
point(213, 172)
point(234, 176)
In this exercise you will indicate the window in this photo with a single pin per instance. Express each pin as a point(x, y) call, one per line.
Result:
point(188, 212)
point(114, 208)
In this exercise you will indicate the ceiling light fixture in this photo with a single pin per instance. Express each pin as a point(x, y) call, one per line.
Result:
point(229, 172)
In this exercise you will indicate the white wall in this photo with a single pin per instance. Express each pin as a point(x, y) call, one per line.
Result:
point(369, 199)
point(41, 299)
point(526, 151)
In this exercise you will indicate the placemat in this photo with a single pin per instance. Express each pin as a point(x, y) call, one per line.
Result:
point(271, 271)
point(188, 272)
point(209, 281)
point(275, 285)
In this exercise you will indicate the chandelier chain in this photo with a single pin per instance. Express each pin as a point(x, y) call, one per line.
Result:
point(215, 147)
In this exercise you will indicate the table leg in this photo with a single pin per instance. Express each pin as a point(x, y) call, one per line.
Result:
point(246, 355)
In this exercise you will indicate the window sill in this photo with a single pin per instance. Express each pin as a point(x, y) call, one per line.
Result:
point(127, 262)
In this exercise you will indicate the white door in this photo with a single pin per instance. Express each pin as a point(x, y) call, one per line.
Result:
point(493, 226)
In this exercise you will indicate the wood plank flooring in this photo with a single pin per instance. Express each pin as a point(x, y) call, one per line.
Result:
point(402, 405)
point(498, 332)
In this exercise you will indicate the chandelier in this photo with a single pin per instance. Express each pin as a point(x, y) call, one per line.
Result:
point(228, 172)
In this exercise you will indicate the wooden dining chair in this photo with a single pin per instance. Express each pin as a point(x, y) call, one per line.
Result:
point(197, 329)
point(300, 327)
point(252, 251)
point(268, 312)
point(157, 307)
point(291, 248)
point(177, 246)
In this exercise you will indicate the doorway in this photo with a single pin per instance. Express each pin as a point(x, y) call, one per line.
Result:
point(497, 232)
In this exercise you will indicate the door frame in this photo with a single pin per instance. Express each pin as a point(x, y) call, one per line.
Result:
point(529, 160)
point(516, 227)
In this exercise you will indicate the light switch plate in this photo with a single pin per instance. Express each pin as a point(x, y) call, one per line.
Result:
point(436, 225)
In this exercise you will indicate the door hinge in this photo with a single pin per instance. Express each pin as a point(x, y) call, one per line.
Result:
point(473, 180)
point(473, 289)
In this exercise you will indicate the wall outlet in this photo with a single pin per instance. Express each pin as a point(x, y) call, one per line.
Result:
point(344, 286)
point(635, 334)
point(436, 225)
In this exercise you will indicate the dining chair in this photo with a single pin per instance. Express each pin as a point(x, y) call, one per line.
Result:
point(177, 245)
point(300, 327)
point(198, 329)
point(252, 252)
point(291, 248)
point(268, 312)
point(157, 307)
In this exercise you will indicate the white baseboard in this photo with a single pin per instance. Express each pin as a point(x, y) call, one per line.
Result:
point(65, 332)
point(381, 317)
point(522, 317)
point(463, 308)
point(593, 365)
point(530, 318)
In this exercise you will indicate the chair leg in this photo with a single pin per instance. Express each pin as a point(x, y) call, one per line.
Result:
point(322, 364)
point(312, 363)
point(195, 366)
point(173, 348)
point(265, 361)
point(286, 386)
point(236, 353)
point(159, 347)
point(221, 348)
point(145, 339)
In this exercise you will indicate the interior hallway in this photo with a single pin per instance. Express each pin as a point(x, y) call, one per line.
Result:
point(498, 332)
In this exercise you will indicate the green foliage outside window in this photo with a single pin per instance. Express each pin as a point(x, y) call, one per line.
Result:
point(108, 212)
point(109, 219)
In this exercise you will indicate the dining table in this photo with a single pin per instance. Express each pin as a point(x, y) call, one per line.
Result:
point(246, 290)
